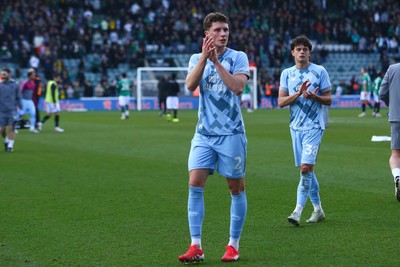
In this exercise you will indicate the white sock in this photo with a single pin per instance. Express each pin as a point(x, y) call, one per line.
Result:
point(317, 207)
point(10, 143)
point(298, 209)
point(396, 173)
point(234, 243)
point(196, 241)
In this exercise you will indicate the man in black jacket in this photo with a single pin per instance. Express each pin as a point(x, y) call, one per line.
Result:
point(172, 99)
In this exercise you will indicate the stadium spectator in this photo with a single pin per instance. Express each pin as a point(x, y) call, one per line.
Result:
point(389, 93)
point(68, 29)
point(99, 90)
point(274, 93)
point(372, 71)
point(88, 89)
point(354, 86)
point(340, 89)
point(52, 103)
point(5, 54)
point(10, 100)
point(69, 91)
point(28, 106)
point(220, 139)
point(306, 125)
point(34, 61)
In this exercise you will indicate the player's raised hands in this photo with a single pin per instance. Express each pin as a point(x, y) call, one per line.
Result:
point(310, 94)
point(303, 88)
point(208, 48)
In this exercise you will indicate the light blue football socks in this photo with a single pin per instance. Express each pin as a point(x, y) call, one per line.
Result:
point(303, 189)
point(314, 193)
point(196, 213)
point(238, 215)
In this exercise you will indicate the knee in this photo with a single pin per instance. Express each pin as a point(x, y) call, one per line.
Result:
point(396, 153)
point(236, 187)
point(237, 191)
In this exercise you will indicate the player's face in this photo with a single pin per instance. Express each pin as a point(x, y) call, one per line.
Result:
point(219, 32)
point(32, 75)
point(5, 76)
point(301, 54)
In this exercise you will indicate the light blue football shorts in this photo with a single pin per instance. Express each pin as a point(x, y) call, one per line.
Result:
point(227, 153)
point(306, 145)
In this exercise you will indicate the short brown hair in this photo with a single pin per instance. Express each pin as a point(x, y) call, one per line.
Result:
point(301, 40)
point(6, 70)
point(214, 17)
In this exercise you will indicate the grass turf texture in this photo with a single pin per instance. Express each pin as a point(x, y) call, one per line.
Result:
point(114, 193)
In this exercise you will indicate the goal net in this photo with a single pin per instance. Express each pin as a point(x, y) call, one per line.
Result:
point(147, 79)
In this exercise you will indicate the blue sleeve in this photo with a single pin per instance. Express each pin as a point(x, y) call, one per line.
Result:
point(325, 84)
point(283, 84)
point(192, 62)
point(242, 64)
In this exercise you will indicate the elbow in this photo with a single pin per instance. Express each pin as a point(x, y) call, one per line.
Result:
point(190, 88)
point(237, 92)
point(191, 85)
point(329, 102)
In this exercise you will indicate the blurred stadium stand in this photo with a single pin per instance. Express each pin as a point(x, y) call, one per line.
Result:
point(97, 40)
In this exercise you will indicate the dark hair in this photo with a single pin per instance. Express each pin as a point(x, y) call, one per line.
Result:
point(30, 71)
point(123, 75)
point(214, 17)
point(301, 40)
point(6, 70)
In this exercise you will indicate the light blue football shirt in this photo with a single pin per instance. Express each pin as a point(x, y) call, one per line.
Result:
point(219, 108)
point(305, 113)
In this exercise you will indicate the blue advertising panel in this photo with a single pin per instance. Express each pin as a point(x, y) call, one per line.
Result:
point(151, 103)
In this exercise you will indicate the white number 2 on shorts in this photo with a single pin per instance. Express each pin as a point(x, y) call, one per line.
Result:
point(238, 163)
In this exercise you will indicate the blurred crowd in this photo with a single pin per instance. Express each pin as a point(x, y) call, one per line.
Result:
point(103, 34)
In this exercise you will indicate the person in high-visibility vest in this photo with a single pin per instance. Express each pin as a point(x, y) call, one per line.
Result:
point(52, 103)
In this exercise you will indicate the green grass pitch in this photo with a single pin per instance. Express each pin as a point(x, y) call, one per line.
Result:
point(108, 192)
